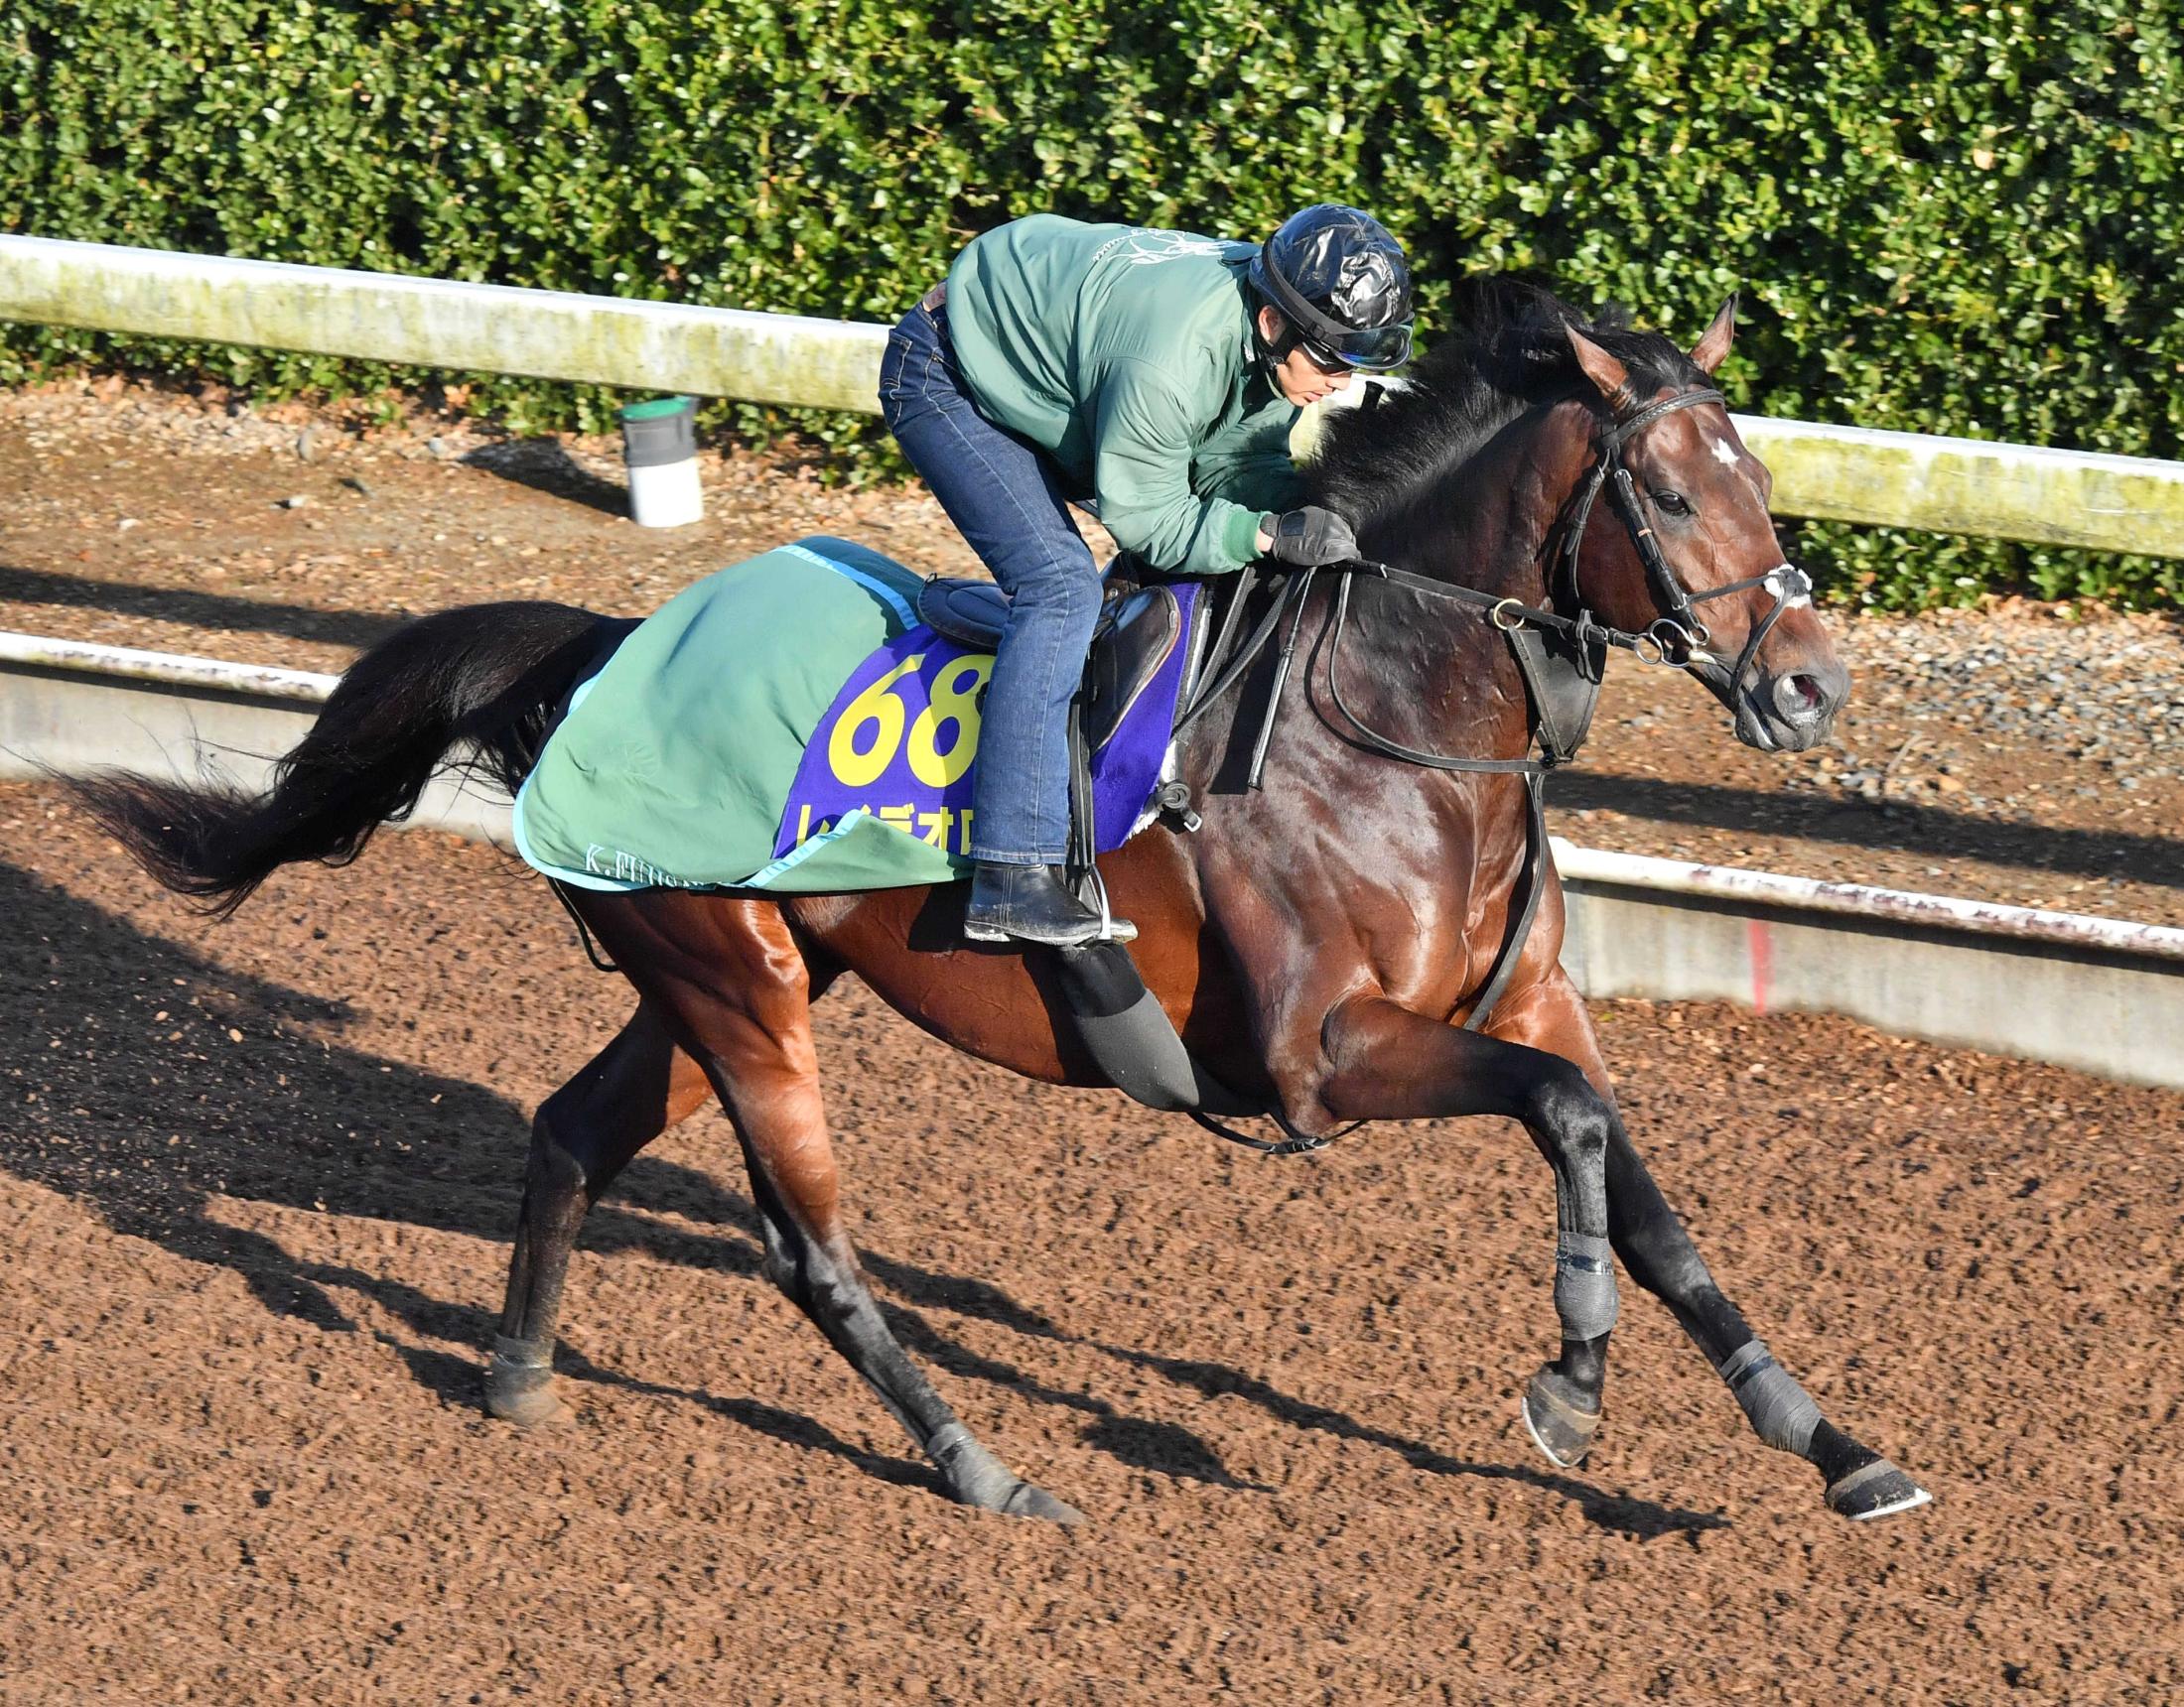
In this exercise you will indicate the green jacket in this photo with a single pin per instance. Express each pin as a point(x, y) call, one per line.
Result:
point(1127, 355)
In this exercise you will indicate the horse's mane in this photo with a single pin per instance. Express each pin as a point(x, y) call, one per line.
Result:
point(1505, 352)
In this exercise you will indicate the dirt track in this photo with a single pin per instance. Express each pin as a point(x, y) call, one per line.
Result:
point(258, 1179)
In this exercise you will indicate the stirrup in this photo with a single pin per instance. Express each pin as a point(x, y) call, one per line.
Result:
point(1112, 929)
point(1071, 920)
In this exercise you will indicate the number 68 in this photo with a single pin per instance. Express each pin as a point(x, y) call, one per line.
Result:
point(858, 763)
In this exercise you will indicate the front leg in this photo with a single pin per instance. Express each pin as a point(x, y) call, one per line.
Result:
point(1388, 1063)
point(1651, 1240)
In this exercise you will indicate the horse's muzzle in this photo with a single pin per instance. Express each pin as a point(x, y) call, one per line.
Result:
point(1791, 711)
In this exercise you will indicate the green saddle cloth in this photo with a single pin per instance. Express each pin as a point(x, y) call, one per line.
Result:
point(671, 765)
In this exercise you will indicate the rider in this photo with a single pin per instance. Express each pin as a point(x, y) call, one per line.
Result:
point(1156, 373)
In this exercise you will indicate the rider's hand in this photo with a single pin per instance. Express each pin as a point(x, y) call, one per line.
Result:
point(1311, 536)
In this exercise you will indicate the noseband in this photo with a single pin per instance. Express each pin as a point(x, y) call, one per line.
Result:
point(1678, 638)
point(1680, 628)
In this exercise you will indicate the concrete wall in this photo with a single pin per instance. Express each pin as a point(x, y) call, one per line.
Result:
point(2102, 1011)
point(58, 720)
point(2102, 996)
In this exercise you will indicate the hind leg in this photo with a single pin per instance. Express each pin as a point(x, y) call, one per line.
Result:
point(585, 1134)
point(810, 1257)
point(738, 992)
point(1654, 1246)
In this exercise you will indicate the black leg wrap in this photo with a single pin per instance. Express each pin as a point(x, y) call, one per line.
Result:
point(1585, 1286)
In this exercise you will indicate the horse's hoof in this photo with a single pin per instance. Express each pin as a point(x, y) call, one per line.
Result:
point(1031, 1500)
point(1561, 1430)
point(535, 1408)
point(977, 1478)
point(1875, 1489)
point(519, 1386)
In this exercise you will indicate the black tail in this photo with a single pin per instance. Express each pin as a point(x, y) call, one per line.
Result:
point(486, 677)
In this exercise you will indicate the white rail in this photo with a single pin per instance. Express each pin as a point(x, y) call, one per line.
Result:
point(1905, 479)
point(177, 668)
point(1863, 901)
point(437, 323)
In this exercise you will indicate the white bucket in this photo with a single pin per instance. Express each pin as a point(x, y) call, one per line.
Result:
point(659, 447)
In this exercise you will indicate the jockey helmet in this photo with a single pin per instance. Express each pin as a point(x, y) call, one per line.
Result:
point(1341, 282)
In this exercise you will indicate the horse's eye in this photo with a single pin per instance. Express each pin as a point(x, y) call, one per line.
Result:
point(1671, 504)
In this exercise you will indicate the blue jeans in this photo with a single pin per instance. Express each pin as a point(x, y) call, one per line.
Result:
point(1006, 498)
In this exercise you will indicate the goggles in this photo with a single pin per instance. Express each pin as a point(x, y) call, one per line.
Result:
point(1370, 349)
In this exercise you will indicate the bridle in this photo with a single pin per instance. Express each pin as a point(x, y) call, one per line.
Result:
point(1681, 628)
point(1677, 639)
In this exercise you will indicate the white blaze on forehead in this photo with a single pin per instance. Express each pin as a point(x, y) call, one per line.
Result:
point(1724, 452)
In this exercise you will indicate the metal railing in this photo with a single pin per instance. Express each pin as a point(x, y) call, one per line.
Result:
point(1915, 480)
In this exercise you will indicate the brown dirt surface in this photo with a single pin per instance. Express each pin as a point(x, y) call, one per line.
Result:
point(259, 1177)
point(2016, 754)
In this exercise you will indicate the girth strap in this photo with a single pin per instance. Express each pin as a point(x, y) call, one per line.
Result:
point(1535, 884)
point(1126, 1030)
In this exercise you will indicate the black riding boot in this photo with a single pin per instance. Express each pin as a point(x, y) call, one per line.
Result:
point(1032, 904)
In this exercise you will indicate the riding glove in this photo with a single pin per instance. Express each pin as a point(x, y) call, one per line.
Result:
point(1311, 536)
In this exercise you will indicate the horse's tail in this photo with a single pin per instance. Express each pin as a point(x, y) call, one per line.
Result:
point(485, 677)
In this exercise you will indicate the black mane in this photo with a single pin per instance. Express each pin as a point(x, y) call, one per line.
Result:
point(1504, 353)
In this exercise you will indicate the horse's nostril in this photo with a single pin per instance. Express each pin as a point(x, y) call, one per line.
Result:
point(1801, 698)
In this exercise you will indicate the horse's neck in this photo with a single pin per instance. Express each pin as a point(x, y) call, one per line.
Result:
point(1488, 528)
point(1488, 525)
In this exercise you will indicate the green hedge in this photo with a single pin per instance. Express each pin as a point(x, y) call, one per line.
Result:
point(1943, 216)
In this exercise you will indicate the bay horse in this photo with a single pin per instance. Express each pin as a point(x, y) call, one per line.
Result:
point(1318, 943)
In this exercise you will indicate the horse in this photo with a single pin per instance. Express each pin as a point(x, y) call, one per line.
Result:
point(1323, 944)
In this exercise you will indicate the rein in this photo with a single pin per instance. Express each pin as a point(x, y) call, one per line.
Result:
point(1680, 629)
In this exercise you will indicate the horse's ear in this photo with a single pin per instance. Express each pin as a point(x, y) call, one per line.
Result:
point(1709, 350)
point(1610, 375)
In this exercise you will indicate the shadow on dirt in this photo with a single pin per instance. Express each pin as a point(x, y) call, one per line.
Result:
point(223, 612)
point(133, 1096)
point(149, 1079)
point(1159, 1447)
point(1896, 825)
point(545, 466)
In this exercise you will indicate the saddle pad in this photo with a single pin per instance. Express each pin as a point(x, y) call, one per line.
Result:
point(786, 724)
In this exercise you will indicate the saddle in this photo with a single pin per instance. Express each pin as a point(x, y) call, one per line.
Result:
point(1137, 632)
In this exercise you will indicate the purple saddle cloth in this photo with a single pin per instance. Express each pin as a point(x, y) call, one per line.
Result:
point(901, 739)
